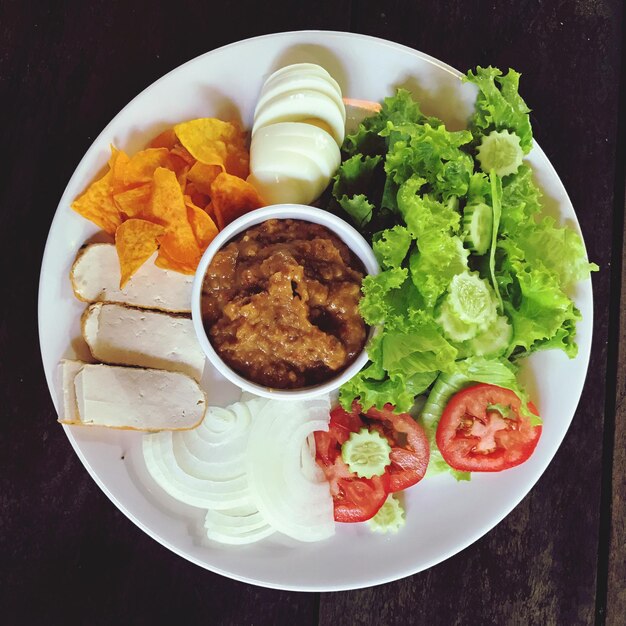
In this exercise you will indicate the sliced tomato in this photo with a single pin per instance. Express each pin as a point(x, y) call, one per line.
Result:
point(358, 499)
point(410, 451)
point(355, 499)
point(474, 436)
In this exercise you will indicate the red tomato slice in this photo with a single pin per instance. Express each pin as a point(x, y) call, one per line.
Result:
point(410, 451)
point(355, 499)
point(358, 499)
point(473, 438)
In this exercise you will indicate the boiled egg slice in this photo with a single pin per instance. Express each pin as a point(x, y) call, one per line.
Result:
point(300, 105)
point(292, 162)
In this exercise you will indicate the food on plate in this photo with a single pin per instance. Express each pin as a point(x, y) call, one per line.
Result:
point(302, 92)
point(292, 162)
point(299, 125)
point(164, 199)
point(280, 304)
point(357, 499)
point(125, 335)
point(232, 197)
point(214, 142)
point(251, 467)
point(366, 453)
point(130, 398)
point(95, 277)
point(474, 277)
point(390, 518)
point(483, 429)
point(287, 488)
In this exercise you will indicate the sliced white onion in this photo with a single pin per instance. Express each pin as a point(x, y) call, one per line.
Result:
point(311, 470)
point(215, 450)
point(286, 497)
point(231, 528)
point(204, 493)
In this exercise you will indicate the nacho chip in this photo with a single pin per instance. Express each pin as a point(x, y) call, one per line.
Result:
point(182, 153)
point(96, 204)
point(203, 226)
point(140, 167)
point(202, 176)
point(166, 139)
point(134, 202)
point(136, 242)
point(232, 197)
point(118, 163)
point(198, 198)
point(166, 263)
point(214, 142)
point(167, 207)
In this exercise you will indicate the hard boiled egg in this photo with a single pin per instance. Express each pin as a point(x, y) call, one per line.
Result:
point(299, 126)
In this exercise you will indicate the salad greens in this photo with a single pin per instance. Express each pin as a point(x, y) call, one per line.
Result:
point(472, 277)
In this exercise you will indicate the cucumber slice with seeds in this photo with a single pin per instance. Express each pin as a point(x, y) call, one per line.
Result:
point(493, 341)
point(500, 152)
point(390, 517)
point(453, 328)
point(471, 299)
point(366, 453)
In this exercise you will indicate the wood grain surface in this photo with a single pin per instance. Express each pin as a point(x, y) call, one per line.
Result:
point(67, 555)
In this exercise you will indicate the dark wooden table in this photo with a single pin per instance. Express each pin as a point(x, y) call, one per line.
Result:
point(67, 556)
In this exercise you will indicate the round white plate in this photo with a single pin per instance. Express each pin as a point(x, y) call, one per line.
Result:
point(443, 516)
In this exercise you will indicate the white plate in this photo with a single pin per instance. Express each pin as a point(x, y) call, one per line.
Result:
point(443, 516)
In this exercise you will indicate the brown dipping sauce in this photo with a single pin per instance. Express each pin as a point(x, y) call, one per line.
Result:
point(280, 304)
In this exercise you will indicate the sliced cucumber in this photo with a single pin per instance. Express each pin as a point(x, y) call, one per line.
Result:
point(366, 453)
point(493, 341)
point(477, 224)
point(390, 517)
point(471, 300)
point(453, 328)
point(500, 152)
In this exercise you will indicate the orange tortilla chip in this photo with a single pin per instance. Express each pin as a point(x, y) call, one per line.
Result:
point(198, 198)
point(180, 152)
point(118, 162)
point(134, 202)
point(232, 197)
point(167, 207)
point(203, 226)
point(140, 167)
point(96, 204)
point(214, 142)
point(202, 176)
point(136, 242)
point(166, 139)
point(167, 263)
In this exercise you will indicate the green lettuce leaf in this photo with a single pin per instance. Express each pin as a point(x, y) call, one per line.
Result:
point(499, 105)
point(392, 245)
point(375, 305)
point(397, 109)
point(432, 154)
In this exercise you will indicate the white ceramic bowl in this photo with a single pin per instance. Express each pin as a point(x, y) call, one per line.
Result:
point(342, 229)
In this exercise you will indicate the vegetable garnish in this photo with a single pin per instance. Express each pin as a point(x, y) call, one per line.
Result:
point(390, 518)
point(366, 453)
point(356, 498)
point(473, 278)
point(482, 429)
